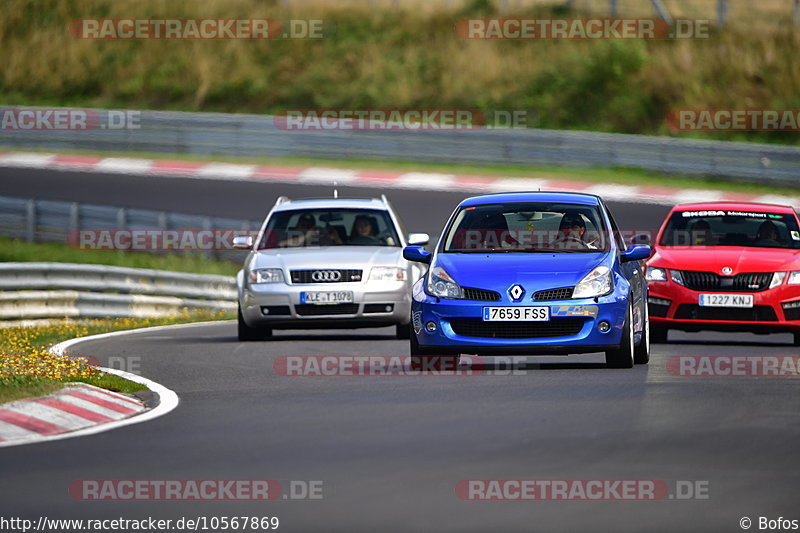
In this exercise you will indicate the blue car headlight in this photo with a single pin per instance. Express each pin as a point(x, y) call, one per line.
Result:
point(595, 283)
point(441, 284)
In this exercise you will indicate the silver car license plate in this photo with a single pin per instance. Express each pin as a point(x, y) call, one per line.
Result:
point(326, 297)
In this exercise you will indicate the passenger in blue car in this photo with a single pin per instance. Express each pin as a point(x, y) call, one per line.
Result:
point(491, 231)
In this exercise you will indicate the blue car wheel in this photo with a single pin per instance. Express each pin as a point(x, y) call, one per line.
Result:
point(623, 357)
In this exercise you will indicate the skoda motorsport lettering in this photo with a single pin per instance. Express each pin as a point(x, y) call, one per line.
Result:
point(530, 273)
point(326, 263)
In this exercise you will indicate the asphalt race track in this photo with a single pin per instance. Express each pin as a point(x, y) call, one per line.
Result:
point(389, 450)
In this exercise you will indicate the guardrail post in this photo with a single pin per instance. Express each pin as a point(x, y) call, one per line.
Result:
point(722, 12)
point(121, 219)
point(662, 11)
point(30, 220)
point(74, 217)
point(210, 254)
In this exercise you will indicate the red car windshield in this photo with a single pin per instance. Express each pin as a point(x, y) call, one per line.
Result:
point(732, 227)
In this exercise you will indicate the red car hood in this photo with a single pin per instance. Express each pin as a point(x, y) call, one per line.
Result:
point(715, 258)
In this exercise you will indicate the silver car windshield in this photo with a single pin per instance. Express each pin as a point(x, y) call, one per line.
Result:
point(329, 227)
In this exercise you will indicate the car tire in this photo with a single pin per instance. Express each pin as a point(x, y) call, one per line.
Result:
point(403, 331)
point(658, 334)
point(623, 356)
point(246, 333)
point(641, 353)
point(797, 339)
point(423, 360)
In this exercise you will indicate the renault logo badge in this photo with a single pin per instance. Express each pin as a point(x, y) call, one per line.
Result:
point(516, 292)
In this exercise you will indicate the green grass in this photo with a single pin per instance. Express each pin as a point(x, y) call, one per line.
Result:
point(404, 58)
point(27, 369)
point(27, 389)
point(17, 250)
point(620, 176)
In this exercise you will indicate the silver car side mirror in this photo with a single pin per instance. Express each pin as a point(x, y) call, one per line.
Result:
point(418, 239)
point(243, 242)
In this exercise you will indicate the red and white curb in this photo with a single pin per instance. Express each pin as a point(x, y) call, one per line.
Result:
point(83, 409)
point(373, 178)
point(77, 406)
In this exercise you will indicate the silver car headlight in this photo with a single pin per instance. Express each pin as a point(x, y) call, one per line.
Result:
point(595, 283)
point(677, 277)
point(266, 275)
point(441, 284)
point(387, 274)
point(794, 278)
point(656, 274)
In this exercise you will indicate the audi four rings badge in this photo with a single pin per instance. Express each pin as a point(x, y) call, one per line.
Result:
point(326, 275)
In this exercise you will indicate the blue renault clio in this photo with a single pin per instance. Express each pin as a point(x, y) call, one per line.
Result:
point(531, 273)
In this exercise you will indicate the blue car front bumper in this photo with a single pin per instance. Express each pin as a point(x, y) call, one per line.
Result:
point(460, 329)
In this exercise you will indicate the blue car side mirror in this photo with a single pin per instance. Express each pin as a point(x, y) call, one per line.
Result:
point(417, 254)
point(635, 252)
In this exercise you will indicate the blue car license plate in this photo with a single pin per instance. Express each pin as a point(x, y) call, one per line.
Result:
point(512, 314)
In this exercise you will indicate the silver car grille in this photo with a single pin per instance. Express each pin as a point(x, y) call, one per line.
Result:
point(325, 275)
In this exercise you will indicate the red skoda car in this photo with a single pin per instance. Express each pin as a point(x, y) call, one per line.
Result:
point(728, 267)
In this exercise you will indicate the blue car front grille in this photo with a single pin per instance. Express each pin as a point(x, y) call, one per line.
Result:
point(517, 330)
point(563, 293)
point(469, 293)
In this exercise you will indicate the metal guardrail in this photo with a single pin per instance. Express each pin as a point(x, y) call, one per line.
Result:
point(52, 221)
point(59, 290)
point(103, 278)
point(257, 135)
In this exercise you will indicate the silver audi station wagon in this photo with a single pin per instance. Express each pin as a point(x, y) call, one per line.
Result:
point(326, 263)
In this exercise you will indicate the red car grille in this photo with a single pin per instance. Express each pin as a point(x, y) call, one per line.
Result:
point(757, 313)
point(710, 281)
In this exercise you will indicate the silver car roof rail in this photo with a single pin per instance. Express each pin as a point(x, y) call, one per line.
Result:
point(281, 200)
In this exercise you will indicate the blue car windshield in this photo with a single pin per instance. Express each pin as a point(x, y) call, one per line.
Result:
point(527, 227)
